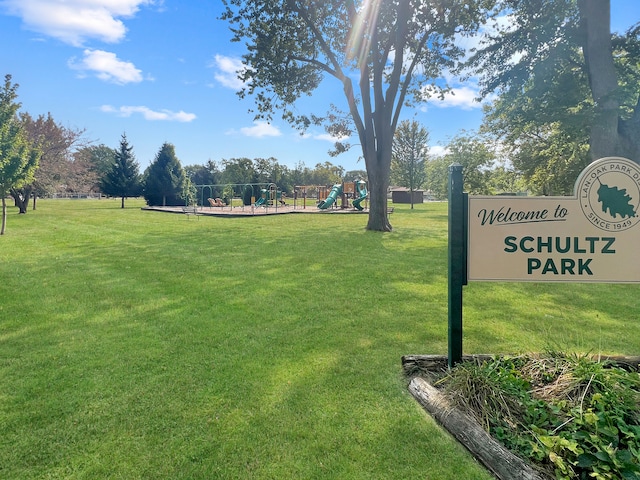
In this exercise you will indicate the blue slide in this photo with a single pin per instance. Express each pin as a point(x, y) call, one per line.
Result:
point(336, 191)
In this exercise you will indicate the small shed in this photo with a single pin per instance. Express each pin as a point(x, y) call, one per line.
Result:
point(403, 195)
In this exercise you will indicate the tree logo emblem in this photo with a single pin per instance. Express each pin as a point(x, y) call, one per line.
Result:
point(609, 193)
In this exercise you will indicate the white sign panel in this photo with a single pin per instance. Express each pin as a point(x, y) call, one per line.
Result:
point(591, 237)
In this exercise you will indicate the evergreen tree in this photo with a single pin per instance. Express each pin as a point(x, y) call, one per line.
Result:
point(409, 156)
point(18, 159)
point(123, 179)
point(165, 180)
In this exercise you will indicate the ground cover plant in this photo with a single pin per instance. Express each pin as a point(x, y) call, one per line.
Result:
point(574, 416)
point(139, 344)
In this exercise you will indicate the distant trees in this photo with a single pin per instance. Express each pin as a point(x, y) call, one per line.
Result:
point(238, 170)
point(18, 157)
point(326, 174)
point(207, 174)
point(409, 155)
point(99, 158)
point(123, 179)
point(353, 175)
point(165, 180)
point(56, 144)
point(475, 154)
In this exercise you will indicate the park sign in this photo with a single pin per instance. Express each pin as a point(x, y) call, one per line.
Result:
point(593, 236)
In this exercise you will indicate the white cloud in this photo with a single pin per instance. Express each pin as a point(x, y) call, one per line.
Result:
point(148, 114)
point(438, 151)
point(465, 95)
point(330, 138)
point(227, 69)
point(458, 97)
point(107, 66)
point(501, 23)
point(261, 129)
point(74, 21)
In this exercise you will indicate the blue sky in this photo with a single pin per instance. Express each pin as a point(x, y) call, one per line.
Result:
point(162, 71)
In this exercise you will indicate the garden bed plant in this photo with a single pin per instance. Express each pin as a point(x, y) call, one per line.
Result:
point(572, 416)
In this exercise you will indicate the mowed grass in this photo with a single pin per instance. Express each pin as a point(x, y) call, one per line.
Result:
point(137, 344)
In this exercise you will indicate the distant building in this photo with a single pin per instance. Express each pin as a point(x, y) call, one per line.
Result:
point(403, 195)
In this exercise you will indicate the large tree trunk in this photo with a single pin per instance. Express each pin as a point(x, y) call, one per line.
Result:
point(378, 186)
point(122, 202)
point(610, 136)
point(377, 142)
point(378, 171)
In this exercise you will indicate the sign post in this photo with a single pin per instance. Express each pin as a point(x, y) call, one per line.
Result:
point(457, 261)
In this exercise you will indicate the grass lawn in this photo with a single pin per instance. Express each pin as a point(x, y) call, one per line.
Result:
point(138, 344)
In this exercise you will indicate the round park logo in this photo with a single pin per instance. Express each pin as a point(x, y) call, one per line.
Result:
point(609, 193)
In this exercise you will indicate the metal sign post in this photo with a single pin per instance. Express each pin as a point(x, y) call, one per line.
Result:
point(457, 261)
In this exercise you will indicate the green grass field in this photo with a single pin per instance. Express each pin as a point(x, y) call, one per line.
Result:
point(146, 345)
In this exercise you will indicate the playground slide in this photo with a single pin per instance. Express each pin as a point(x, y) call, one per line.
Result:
point(332, 198)
point(260, 201)
point(362, 190)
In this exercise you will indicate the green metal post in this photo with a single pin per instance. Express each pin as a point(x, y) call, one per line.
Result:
point(457, 261)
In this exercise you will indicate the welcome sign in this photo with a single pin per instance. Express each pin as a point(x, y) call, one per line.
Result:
point(593, 236)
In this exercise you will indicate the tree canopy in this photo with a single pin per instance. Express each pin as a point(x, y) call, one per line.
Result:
point(475, 153)
point(568, 89)
point(55, 169)
point(18, 158)
point(383, 53)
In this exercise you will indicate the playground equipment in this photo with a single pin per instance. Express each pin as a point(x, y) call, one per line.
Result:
point(357, 191)
point(237, 195)
point(362, 191)
point(333, 196)
point(269, 195)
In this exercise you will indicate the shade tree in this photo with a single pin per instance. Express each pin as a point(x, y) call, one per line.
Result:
point(381, 54)
point(207, 174)
point(57, 145)
point(476, 155)
point(99, 158)
point(568, 88)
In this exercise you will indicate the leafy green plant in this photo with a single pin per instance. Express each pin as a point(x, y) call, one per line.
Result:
point(572, 415)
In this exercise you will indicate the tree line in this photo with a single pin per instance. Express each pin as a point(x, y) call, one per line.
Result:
point(484, 172)
point(40, 157)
